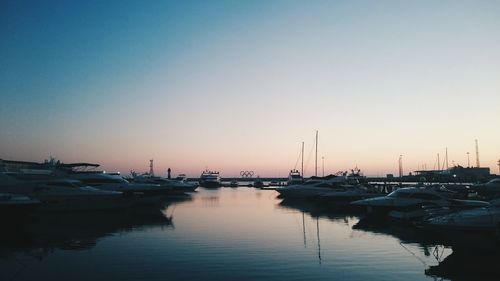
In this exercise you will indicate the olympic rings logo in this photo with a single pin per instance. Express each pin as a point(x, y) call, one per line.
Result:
point(246, 174)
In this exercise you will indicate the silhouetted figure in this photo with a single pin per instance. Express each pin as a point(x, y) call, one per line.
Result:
point(168, 173)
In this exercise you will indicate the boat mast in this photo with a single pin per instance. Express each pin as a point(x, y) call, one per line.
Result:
point(316, 166)
point(447, 159)
point(439, 164)
point(302, 169)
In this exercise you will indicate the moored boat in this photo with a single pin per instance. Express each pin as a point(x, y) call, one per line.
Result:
point(210, 179)
point(411, 203)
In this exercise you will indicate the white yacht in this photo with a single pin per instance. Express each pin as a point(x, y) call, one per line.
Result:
point(489, 189)
point(181, 178)
point(176, 186)
point(485, 219)
point(114, 182)
point(294, 178)
point(411, 203)
point(72, 195)
point(346, 194)
point(210, 179)
point(312, 188)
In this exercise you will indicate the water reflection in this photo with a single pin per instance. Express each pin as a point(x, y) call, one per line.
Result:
point(471, 265)
point(231, 234)
point(315, 209)
point(460, 257)
point(46, 233)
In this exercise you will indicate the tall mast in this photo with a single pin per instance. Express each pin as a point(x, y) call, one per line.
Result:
point(477, 155)
point(439, 164)
point(447, 159)
point(302, 169)
point(316, 166)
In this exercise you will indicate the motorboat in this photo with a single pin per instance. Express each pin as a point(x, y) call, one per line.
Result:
point(313, 187)
point(490, 189)
point(467, 230)
point(234, 183)
point(181, 178)
point(294, 178)
point(72, 195)
point(210, 179)
point(345, 194)
point(258, 183)
point(485, 219)
point(114, 182)
point(178, 185)
point(411, 203)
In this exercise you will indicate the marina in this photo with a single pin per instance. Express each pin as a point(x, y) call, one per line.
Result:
point(55, 218)
point(249, 140)
point(222, 234)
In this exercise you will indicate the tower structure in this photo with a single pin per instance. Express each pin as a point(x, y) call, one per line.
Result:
point(400, 166)
point(151, 170)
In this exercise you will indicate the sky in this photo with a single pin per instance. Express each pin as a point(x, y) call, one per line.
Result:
point(239, 85)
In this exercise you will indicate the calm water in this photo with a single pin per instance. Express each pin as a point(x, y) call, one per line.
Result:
point(224, 234)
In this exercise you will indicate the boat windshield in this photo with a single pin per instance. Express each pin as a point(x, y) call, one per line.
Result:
point(399, 194)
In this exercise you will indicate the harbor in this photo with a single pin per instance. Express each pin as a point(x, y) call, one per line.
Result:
point(227, 233)
point(58, 215)
point(249, 140)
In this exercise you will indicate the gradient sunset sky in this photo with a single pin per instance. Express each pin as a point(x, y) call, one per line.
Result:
point(238, 85)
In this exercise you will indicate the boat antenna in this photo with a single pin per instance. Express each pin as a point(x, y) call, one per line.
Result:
point(477, 155)
point(302, 169)
point(316, 165)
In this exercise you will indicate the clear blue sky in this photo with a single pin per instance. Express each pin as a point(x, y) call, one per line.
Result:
point(238, 85)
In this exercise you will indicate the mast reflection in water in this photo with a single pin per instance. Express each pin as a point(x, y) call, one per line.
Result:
point(222, 234)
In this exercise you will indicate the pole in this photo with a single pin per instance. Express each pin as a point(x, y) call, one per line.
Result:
point(400, 166)
point(477, 155)
point(468, 160)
